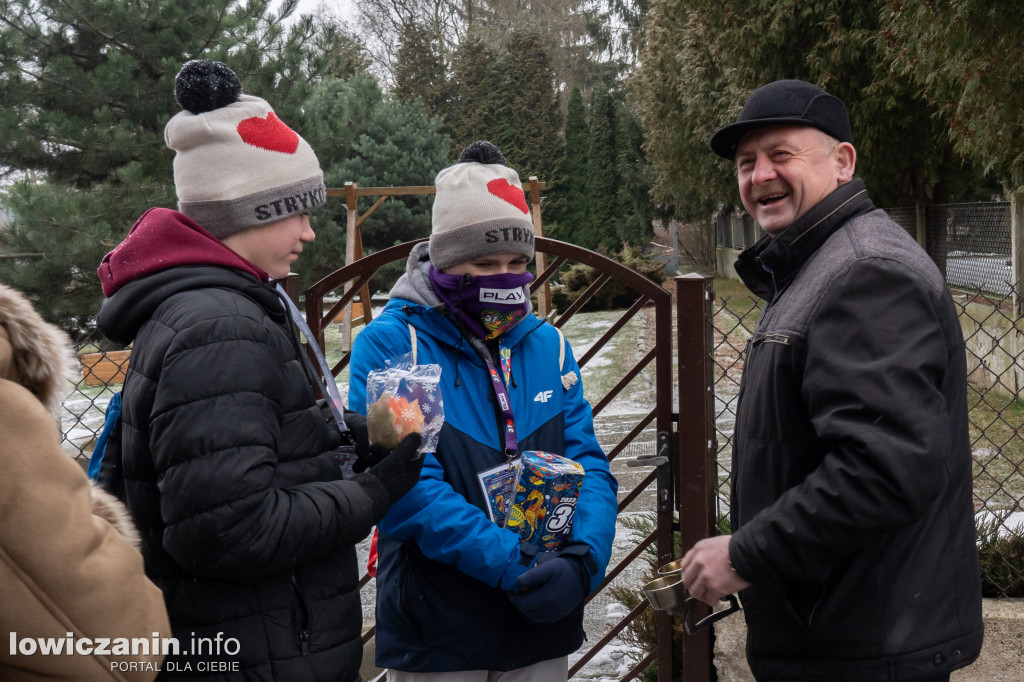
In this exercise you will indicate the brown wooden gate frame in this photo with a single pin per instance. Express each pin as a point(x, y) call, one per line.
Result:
point(683, 464)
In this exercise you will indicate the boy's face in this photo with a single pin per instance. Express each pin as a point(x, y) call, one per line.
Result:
point(491, 264)
point(275, 246)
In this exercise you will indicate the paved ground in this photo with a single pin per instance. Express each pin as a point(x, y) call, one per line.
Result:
point(1001, 660)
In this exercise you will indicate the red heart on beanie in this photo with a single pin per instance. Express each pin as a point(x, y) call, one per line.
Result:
point(269, 133)
point(501, 188)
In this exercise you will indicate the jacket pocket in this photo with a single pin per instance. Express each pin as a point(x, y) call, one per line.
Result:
point(408, 593)
point(802, 599)
point(781, 337)
point(300, 616)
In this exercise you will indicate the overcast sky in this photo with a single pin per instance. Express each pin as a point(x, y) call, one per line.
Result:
point(345, 8)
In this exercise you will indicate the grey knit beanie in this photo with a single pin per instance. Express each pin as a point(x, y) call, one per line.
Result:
point(237, 165)
point(480, 209)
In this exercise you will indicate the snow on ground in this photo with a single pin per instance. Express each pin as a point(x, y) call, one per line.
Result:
point(1010, 524)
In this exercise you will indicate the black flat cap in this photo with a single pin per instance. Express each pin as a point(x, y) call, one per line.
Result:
point(785, 102)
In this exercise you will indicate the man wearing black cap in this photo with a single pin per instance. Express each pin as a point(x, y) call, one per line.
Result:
point(854, 542)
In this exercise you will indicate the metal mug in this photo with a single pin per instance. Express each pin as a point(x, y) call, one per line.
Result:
point(667, 593)
point(671, 567)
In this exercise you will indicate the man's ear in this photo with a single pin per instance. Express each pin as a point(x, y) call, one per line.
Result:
point(846, 161)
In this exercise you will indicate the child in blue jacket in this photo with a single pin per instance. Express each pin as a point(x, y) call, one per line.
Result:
point(455, 591)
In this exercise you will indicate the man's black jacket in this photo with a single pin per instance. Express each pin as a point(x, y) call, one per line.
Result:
point(852, 504)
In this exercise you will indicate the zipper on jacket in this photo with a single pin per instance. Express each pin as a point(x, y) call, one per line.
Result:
point(412, 310)
point(455, 352)
point(303, 618)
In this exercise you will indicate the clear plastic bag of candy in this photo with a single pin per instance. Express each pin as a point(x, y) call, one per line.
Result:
point(404, 398)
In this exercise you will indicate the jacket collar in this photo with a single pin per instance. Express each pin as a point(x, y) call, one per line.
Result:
point(767, 265)
point(163, 239)
point(122, 314)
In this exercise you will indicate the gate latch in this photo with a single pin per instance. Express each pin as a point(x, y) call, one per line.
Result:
point(661, 460)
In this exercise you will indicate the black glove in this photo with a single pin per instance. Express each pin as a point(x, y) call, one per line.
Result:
point(367, 455)
point(552, 590)
point(398, 470)
point(358, 435)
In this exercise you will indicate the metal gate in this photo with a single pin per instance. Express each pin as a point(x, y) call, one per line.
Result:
point(647, 437)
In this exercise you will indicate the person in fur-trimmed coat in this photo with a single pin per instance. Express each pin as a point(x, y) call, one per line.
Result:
point(69, 567)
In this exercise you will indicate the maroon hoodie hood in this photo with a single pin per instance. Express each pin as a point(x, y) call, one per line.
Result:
point(162, 239)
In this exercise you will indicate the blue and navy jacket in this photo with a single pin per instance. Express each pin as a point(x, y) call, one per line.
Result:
point(444, 567)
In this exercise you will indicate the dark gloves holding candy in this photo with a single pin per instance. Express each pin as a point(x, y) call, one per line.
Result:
point(366, 455)
point(358, 435)
point(551, 590)
point(397, 470)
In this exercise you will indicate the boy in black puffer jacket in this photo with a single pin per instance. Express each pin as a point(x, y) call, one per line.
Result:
point(230, 466)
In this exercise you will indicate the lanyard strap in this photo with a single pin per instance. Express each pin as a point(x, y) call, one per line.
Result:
point(334, 398)
point(508, 420)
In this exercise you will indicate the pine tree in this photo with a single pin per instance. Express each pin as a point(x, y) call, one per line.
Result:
point(508, 98)
point(530, 113)
point(575, 34)
point(569, 209)
point(364, 135)
point(420, 71)
point(606, 214)
point(478, 94)
point(87, 87)
point(636, 224)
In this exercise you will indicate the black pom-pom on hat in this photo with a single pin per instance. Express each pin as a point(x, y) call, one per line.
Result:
point(204, 85)
point(481, 151)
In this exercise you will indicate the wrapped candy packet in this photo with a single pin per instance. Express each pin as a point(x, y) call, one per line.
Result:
point(404, 398)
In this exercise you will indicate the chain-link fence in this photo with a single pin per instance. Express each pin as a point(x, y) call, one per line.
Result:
point(905, 217)
point(100, 377)
point(995, 342)
point(969, 242)
point(995, 358)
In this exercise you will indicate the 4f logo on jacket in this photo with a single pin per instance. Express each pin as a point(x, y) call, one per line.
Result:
point(542, 397)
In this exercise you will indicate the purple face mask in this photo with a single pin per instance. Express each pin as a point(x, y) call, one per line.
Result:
point(489, 305)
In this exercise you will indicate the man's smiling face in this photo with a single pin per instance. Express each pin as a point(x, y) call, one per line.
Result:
point(783, 171)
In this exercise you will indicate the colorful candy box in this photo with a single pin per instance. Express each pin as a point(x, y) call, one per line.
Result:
point(545, 499)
